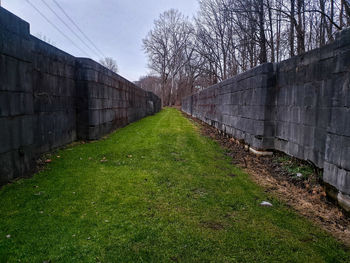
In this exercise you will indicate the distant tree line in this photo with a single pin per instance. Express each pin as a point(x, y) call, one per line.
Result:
point(228, 37)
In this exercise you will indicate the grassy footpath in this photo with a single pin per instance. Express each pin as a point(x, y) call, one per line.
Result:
point(162, 193)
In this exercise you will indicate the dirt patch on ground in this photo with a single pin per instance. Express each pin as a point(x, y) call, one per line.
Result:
point(305, 194)
point(212, 225)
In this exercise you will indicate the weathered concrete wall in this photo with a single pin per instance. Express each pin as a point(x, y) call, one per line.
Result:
point(240, 106)
point(300, 106)
point(49, 98)
point(54, 96)
point(108, 101)
point(16, 97)
point(312, 101)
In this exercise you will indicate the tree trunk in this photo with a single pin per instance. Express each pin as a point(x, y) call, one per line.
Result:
point(300, 28)
point(323, 23)
point(291, 35)
point(272, 40)
point(262, 41)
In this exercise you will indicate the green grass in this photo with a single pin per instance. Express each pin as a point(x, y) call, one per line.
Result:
point(165, 194)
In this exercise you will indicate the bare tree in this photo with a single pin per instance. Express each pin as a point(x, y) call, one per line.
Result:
point(150, 83)
point(215, 38)
point(165, 46)
point(231, 36)
point(110, 63)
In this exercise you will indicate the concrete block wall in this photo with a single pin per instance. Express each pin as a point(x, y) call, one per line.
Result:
point(299, 106)
point(312, 109)
point(49, 98)
point(108, 101)
point(54, 96)
point(240, 106)
point(16, 100)
point(337, 147)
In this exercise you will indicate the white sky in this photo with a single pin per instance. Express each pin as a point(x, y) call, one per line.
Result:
point(117, 27)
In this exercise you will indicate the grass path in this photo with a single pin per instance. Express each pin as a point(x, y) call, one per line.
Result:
point(163, 194)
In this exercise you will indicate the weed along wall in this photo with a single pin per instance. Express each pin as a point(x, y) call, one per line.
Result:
point(49, 98)
point(300, 106)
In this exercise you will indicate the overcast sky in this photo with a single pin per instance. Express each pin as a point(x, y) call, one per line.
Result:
point(116, 27)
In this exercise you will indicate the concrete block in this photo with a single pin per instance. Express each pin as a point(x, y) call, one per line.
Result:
point(88, 75)
point(345, 153)
point(342, 62)
point(343, 181)
point(20, 103)
point(16, 46)
point(12, 23)
point(27, 130)
point(339, 123)
point(333, 149)
point(323, 116)
point(95, 117)
point(5, 134)
point(8, 76)
point(320, 140)
point(4, 104)
point(308, 116)
point(6, 167)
